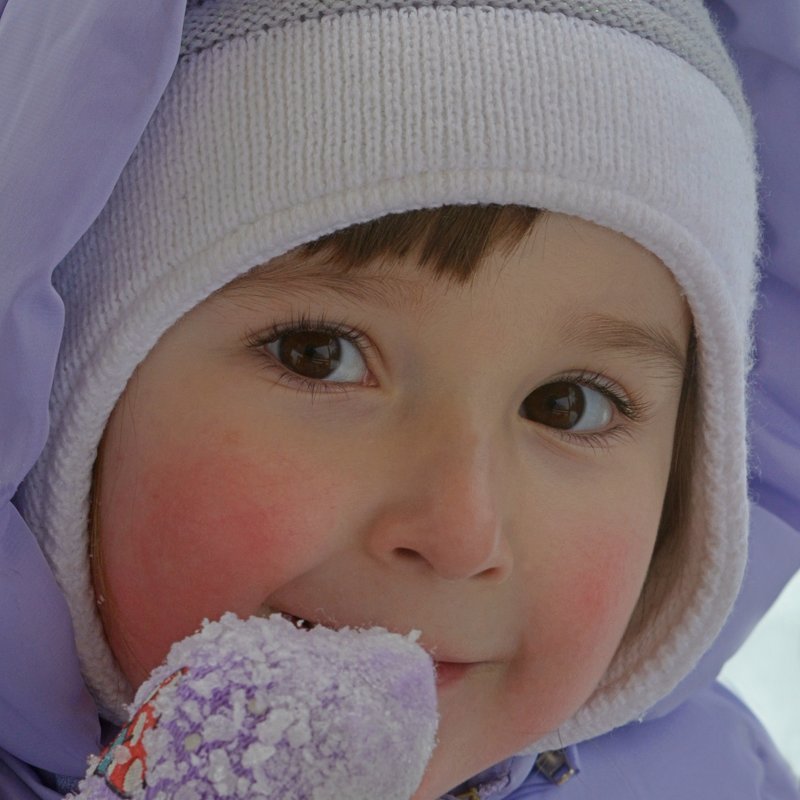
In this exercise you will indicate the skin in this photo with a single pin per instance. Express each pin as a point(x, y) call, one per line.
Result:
point(422, 497)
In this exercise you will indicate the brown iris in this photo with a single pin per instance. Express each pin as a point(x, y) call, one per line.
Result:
point(313, 354)
point(557, 405)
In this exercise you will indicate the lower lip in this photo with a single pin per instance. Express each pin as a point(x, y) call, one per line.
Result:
point(450, 672)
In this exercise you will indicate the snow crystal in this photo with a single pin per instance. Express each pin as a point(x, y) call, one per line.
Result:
point(257, 753)
point(221, 772)
point(271, 730)
point(219, 728)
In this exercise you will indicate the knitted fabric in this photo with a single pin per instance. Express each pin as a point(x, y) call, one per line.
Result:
point(286, 121)
point(262, 709)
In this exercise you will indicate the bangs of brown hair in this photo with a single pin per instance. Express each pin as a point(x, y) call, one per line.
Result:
point(451, 240)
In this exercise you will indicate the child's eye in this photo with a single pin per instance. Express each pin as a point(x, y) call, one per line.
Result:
point(569, 406)
point(318, 355)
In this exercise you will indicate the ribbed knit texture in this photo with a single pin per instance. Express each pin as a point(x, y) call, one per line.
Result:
point(296, 127)
point(681, 27)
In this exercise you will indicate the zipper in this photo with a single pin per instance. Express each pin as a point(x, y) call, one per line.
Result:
point(555, 766)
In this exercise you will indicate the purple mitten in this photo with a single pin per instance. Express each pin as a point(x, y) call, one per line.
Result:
point(263, 708)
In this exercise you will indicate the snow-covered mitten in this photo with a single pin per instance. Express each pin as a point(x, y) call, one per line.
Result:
point(262, 708)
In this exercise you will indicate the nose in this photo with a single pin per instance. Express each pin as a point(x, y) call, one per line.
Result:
point(445, 511)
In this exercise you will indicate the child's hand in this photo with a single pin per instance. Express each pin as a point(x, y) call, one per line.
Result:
point(261, 708)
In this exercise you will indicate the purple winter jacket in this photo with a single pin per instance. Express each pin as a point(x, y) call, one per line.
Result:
point(78, 83)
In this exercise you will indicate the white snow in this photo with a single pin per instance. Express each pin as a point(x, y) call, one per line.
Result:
point(765, 672)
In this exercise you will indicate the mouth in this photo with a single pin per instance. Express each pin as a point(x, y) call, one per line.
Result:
point(451, 672)
point(447, 672)
point(298, 622)
point(302, 623)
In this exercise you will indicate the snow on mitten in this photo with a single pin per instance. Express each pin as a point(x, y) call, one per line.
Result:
point(262, 708)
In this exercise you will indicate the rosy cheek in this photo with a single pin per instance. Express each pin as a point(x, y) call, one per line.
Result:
point(606, 587)
point(579, 613)
point(608, 584)
point(206, 533)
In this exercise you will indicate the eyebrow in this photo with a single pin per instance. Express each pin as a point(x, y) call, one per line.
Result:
point(601, 333)
point(598, 333)
point(284, 276)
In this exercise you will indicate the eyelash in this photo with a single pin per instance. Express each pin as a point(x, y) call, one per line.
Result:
point(305, 322)
point(632, 406)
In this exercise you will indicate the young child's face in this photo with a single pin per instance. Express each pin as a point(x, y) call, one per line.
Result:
point(493, 474)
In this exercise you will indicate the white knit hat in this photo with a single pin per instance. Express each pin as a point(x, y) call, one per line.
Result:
point(285, 121)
